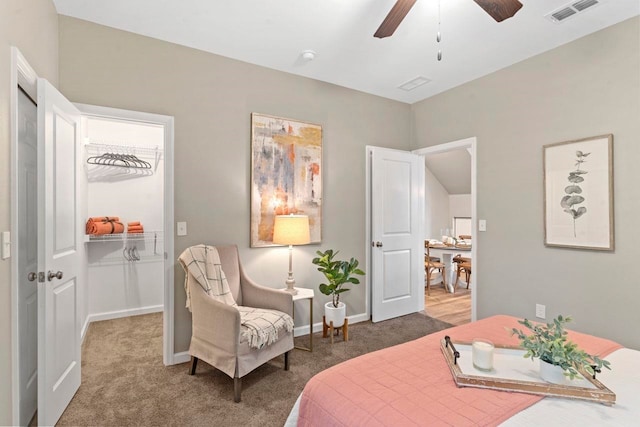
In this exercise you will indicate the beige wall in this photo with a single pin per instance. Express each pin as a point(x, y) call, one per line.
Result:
point(585, 88)
point(436, 209)
point(31, 26)
point(589, 87)
point(211, 98)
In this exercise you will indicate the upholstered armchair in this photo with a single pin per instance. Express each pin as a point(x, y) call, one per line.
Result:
point(217, 337)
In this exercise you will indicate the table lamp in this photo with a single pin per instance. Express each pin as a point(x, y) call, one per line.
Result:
point(291, 230)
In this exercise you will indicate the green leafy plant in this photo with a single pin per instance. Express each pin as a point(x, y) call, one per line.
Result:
point(574, 190)
point(549, 343)
point(338, 273)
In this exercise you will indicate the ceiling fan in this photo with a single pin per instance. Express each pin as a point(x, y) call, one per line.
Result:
point(497, 9)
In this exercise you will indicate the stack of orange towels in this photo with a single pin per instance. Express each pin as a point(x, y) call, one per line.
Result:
point(98, 225)
point(135, 227)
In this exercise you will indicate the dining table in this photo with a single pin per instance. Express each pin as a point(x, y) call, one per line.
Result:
point(446, 253)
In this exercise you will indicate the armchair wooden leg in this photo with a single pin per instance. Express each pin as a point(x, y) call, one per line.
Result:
point(194, 362)
point(237, 389)
point(286, 360)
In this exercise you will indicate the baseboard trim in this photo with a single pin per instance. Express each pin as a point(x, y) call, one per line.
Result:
point(108, 315)
point(182, 357)
point(85, 327)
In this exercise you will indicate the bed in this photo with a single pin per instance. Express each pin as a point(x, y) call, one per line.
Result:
point(410, 385)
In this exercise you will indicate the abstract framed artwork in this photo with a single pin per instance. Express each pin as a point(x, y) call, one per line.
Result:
point(578, 193)
point(286, 175)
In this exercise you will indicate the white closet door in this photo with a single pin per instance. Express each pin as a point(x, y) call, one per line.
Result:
point(59, 253)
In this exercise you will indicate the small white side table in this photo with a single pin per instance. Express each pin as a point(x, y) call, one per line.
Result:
point(304, 293)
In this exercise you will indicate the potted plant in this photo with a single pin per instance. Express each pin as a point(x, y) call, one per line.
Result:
point(549, 343)
point(338, 274)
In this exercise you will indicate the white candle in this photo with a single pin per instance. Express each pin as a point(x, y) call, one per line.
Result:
point(482, 354)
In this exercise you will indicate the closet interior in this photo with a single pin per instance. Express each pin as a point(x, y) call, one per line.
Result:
point(124, 169)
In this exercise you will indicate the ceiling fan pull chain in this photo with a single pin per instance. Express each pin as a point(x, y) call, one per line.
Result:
point(439, 35)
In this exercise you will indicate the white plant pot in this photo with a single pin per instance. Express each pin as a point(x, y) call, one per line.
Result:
point(552, 373)
point(335, 315)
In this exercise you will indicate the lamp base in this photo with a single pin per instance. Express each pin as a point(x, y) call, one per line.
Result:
point(290, 287)
point(292, 291)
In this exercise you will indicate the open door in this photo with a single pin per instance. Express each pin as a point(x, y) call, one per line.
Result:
point(396, 186)
point(59, 253)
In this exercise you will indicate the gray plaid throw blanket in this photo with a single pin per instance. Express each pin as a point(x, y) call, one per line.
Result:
point(260, 327)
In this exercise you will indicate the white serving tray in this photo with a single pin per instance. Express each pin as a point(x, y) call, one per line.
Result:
point(512, 372)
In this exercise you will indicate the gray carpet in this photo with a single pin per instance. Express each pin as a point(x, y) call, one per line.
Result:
point(124, 382)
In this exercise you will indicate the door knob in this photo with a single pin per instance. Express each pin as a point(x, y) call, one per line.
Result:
point(51, 275)
point(378, 244)
point(32, 276)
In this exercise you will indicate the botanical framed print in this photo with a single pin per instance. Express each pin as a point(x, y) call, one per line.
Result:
point(578, 193)
point(286, 175)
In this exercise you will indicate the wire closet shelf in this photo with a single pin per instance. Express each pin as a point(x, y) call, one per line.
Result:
point(122, 156)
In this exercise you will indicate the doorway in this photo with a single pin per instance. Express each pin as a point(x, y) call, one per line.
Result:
point(28, 256)
point(456, 208)
point(129, 131)
point(124, 172)
point(27, 326)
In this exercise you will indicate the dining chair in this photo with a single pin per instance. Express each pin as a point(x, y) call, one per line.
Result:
point(430, 265)
point(463, 266)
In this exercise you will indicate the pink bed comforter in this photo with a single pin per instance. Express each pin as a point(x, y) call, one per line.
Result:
point(411, 385)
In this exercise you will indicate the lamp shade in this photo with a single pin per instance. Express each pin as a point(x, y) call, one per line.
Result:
point(291, 230)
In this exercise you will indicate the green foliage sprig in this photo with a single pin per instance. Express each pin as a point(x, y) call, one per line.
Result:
point(338, 273)
point(573, 190)
point(549, 343)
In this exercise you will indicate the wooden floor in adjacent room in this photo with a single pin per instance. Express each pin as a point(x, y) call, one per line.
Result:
point(448, 307)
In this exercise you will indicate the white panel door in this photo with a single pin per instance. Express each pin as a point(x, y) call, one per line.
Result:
point(397, 220)
point(59, 253)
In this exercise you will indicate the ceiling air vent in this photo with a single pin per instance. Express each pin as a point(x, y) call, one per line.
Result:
point(563, 14)
point(571, 9)
point(414, 83)
point(583, 4)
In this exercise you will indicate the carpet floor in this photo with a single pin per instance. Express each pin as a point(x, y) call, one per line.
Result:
point(124, 382)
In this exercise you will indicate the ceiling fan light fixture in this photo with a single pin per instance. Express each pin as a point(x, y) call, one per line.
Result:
point(394, 18)
point(500, 9)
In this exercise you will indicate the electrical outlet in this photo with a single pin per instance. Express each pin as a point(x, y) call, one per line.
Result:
point(482, 225)
point(541, 311)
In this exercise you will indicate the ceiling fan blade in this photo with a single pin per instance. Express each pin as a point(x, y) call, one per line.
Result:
point(394, 18)
point(500, 9)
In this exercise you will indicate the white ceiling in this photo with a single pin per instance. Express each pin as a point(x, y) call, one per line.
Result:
point(273, 33)
point(452, 169)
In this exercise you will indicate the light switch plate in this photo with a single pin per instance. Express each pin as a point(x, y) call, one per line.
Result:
point(6, 244)
point(541, 311)
point(181, 228)
point(482, 225)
